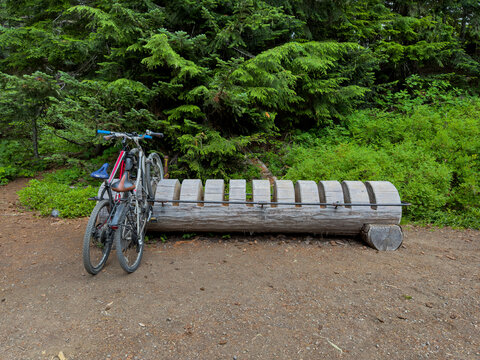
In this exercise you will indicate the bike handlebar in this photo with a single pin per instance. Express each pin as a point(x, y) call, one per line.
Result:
point(160, 135)
point(110, 134)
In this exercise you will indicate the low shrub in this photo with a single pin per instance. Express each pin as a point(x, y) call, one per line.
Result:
point(68, 176)
point(44, 196)
point(430, 155)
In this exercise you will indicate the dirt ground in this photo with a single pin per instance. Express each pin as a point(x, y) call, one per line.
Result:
point(246, 297)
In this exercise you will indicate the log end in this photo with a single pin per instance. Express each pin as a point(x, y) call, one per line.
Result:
point(383, 237)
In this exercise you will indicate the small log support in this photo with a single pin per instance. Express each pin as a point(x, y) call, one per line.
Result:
point(383, 237)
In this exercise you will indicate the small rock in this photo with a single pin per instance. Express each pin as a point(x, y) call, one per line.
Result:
point(429, 305)
point(109, 306)
point(55, 213)
point(142, 324)
point(202, 289)
point(453, 316)
point(222, 342)
point(169, 319)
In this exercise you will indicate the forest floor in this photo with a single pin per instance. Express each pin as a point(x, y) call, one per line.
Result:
point(246, 297)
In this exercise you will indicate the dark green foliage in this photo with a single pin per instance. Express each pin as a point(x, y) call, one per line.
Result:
point(224, 79)
point(14, 162)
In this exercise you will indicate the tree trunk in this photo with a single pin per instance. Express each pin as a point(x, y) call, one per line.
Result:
point(464, 23)
point(35, 137)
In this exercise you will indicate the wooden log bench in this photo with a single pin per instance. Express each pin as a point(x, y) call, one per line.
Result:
point(347, 208)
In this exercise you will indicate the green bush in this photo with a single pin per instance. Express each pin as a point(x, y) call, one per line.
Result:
point(430, 155)
point(7, 173)
point(44, 196)
point(66, 176)
point(15, 161)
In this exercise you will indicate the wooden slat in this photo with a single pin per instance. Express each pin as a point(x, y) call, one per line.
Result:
point(355, 192)
point(168, 189)
point(330, 191)
point(283, 191)
point(191, 190)
point(306, 191)
point(261, 190)
point(214, 191)
point(237, 192)
point(384, 192)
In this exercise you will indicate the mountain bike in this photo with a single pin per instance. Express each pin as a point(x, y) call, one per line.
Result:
point(124, 205)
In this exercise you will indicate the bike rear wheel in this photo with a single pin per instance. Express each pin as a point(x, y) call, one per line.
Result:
point(128, 242)
point(97, 242)
point(153, 174)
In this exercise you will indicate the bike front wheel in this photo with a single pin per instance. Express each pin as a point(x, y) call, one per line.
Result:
point(97, 241)
point(129, 244)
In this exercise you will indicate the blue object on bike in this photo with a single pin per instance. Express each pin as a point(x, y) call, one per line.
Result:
point(147, 137)
point(103, 132)
point(101, 173)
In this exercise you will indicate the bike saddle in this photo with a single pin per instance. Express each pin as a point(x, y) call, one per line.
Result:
point(123, 185)
point(101, 173)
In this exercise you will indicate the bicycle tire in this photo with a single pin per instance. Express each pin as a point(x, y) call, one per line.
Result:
point(95, 240)
point(129, 245)
point(153, 174)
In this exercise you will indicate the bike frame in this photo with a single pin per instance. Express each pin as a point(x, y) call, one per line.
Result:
point(120, 200)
